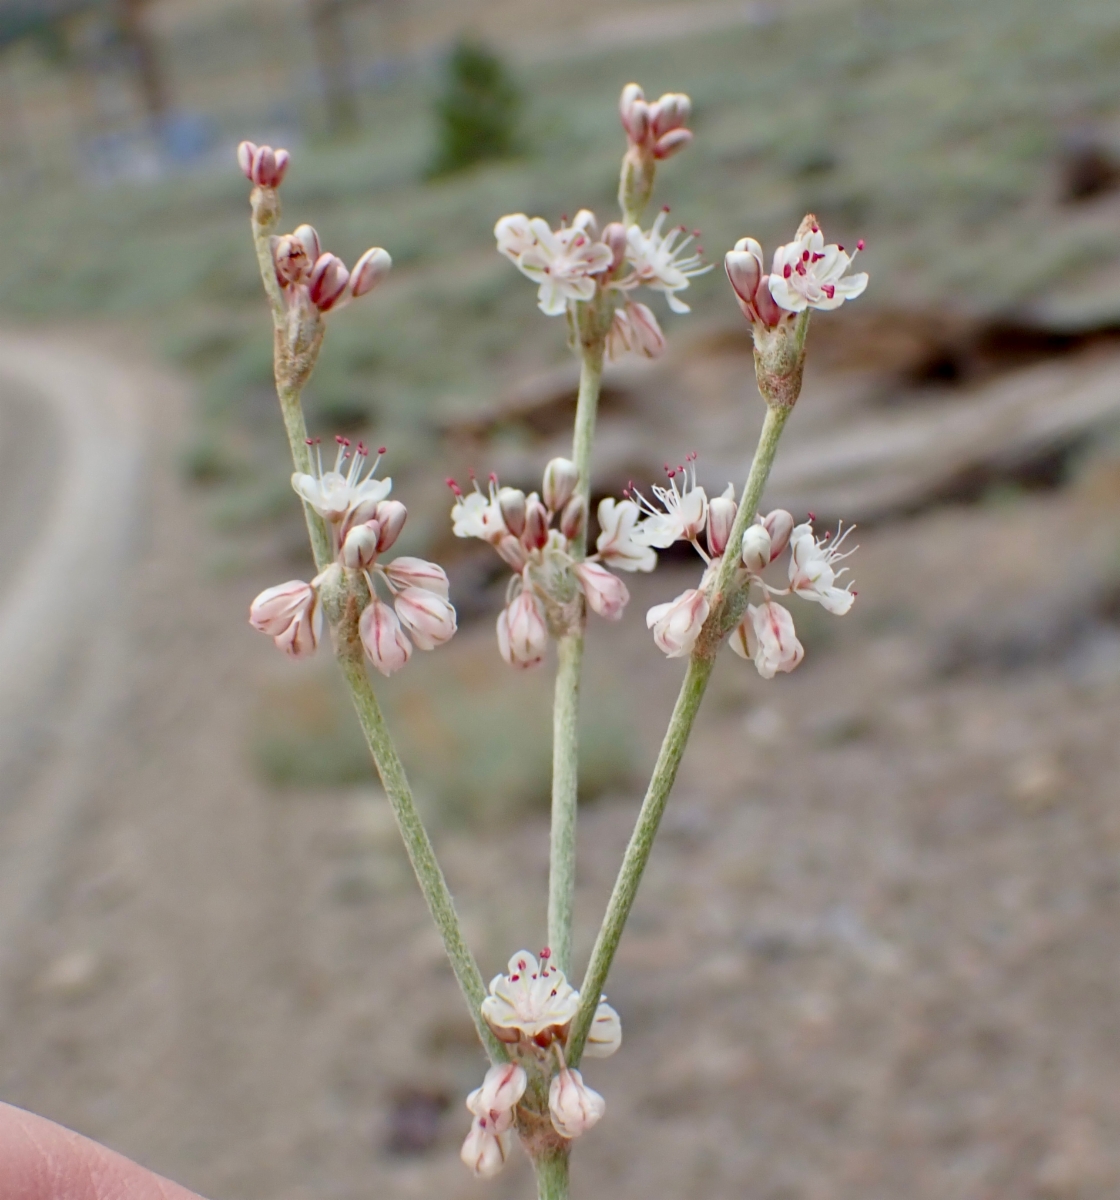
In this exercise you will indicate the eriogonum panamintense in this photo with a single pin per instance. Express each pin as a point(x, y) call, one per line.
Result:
point(310, 276)
point(543, 597)
point(362, 523)
point(765, 635)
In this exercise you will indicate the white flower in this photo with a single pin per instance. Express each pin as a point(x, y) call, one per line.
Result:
point(811, 573)
point(476, 515)
point(533, 1002)
point(766, 635)
point(573, 1106)
point(501, 1090)
point(635, 328)
point(563, 262)
point(685, 510)
point(485, 1151)
point(660, 262)
point(335, 494)
point(605, 1035)
point(606, 594)
point(677, 623)
point(808, 274)
point(522, 631)
point(616, 544)
point(292, 616)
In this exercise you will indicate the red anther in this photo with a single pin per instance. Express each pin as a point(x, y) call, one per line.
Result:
point(362, 449)
point(855, 593)
point(563, 219)
point(801, 268)
point(840, 248)
point(546, 953)
point(470, 472)
point(812, 516)
point(829, 290)
point(665, 208)
point(805, 256)
point(828, 534)
point(817, 257)
point(696, 233)
point(699, 249)
point(859, 246)
point(382, 449)
point(787, 271)
point(581, 240)
point(310, 441)
point(340, 439)
point(453, 486)
point(514, 978)
point(493, 477)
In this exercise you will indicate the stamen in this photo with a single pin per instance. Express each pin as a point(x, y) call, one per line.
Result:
point(787, 271)
point(453, 486)
point(860, 244)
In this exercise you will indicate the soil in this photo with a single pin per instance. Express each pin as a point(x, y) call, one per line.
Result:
point(874, 955)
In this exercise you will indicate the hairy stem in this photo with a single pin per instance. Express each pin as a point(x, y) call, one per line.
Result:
point(672, 747)
point(565, 711)
point(417, 843)
point(552, 1173)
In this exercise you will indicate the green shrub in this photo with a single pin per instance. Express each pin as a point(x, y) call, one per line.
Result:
point(478, 112)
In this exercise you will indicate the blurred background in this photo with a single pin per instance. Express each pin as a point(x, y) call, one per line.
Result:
point(875, 954)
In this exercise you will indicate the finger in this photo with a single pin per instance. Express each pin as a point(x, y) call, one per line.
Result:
point(40, 1160)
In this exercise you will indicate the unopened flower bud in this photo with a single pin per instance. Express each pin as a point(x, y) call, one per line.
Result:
point(572, 1105)
point(767, 636)
point(428, 617)
point(292, 262)
point(409, 572)
point(671, 143)
point(522, 632)
point(756, 549)
point(359, 549)
point(512, 551)
point(635, 113)
point(485, 1152)
point(291, 614)
point(614, 238)
point(721, 516)
point(329, 278)
point(511, 503)
point(382, 637)
point(369, 271)
point(779, 525)
point(574, 518)
point(309, 238)
point(560, 479)
point(535, 534)
point(500, 1093)
point(676, 624)
point(606, 594)
point(391, 516)
point(668, 113)
point(605, 1035)
point(262, 165)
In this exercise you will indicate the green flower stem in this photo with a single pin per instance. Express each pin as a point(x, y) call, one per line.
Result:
point(552, 1173)
point(417, 843)
point(725, 603)
point(565, 710)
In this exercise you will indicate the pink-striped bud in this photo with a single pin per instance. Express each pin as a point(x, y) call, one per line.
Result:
point(573, 519)
point(669, 113)
point(572, 1105)
point(512, 551)
point(779, 525)
point(391, 516)
point(535, 534)
point(406, 572)
point(605, 1035)
point(756, 549)
point(766, 635)
point(500, 1093)
point(635, 113)
point(614, 238)
point(292, 262)
point(522, 632)
point(560, 479)
point(309, 239)
point(511, 504)
point(359, 548)
point(721, 516)
point(606, 594)
point(291, 614)
point(485, 1151)
point(370, 270)
point(752, 288)
point(329, 278)
point(671, 143)
point(262, 165)
point(382, 637)
point(676, 624)
point(646, 336)
point(429, 618)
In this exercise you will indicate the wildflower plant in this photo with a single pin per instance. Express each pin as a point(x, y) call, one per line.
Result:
point(534, 1024)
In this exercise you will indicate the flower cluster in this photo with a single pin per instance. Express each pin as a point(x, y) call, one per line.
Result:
point(805, 274)
point(362, 523)
point(262, 165)
point(530, 1009)
point(548, 580)
point(655, 129)
point(308, 274)
point(682, 512)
